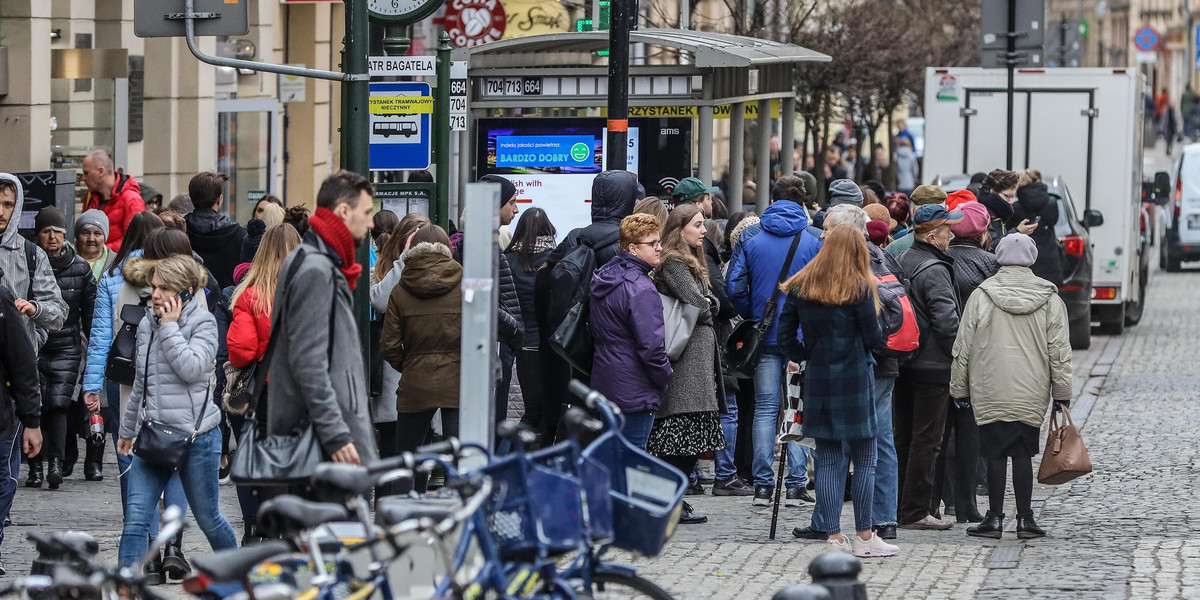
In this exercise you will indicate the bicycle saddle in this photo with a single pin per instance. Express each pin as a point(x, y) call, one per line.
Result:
point(234, 565)
point(339, 481)
point(287, 516)
point(393, 510)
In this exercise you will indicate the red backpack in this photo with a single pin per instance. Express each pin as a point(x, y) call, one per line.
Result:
point(897, 318)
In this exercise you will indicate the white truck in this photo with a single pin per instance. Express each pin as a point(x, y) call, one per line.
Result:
point(1084, 126)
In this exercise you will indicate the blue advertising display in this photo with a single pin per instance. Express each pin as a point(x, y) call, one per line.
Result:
point(544, 151)
point(400, 126)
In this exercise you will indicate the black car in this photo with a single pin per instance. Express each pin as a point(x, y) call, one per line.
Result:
point(1076, 287)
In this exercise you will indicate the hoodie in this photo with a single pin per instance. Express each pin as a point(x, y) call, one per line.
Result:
point(613, 195)
point(43, 293)
point(1013, 351)
point(217, 240)
point(124, 202)
point(753, 275)
point(630, 365)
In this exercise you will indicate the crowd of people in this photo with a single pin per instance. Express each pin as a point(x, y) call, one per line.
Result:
point(150, 316)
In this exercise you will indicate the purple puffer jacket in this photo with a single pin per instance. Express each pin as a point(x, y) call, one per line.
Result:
point(630, 366)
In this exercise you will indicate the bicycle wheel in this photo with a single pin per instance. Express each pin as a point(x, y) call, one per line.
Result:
point(620, 586)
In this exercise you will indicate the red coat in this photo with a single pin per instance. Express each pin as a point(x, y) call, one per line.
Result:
point(248, 332)
point(126, 201)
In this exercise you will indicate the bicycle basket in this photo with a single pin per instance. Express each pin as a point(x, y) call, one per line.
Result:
point(533, 509)
point(594, 480)
point(646, 494)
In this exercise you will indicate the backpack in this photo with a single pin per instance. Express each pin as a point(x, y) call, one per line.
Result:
point(571, 280)
point(897, 318)
point(120, 365)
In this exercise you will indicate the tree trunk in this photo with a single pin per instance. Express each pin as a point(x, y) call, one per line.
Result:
point(891, 139)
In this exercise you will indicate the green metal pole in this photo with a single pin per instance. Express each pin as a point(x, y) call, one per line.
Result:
point(441, 129)
point(355, 124)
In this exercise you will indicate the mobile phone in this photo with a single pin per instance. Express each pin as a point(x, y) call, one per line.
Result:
point(1037, 220)
point(183, 296)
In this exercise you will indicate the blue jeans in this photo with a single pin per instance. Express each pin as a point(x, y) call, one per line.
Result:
point(10, 466)
point(832, 464)
point(112, 421)
point(768, 391)
point(887, 466)
point(725, 467)
point(637, 427)
point(200, 483)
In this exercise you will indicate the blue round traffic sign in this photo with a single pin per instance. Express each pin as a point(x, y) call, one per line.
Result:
point(1146, 39)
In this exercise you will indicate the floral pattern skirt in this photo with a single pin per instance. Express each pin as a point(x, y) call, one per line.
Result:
point(686, 434)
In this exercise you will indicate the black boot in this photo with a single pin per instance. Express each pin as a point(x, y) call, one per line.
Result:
point(690, 516)
point(154, 569)
point(54, 475)
point(175, 566)
point(93, 463)
point(1027, 528)
point(36, 478)
point(72, 455)
point(991, 527)
point(250, 535)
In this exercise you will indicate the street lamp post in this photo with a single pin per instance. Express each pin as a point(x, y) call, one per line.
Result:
point(354, 141)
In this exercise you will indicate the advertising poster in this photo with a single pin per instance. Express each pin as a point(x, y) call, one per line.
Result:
point(552, 162)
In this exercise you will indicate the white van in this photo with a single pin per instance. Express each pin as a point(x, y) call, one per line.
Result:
point(1182, 238)
point(1082, 124)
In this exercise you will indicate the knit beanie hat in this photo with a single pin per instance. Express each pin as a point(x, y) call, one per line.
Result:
point(1016, 250)
point(844, 191)
point(954, 199)
point(877, 232)
point(239, 272)
point(254, 234)
point(928, 194)
point(92, 218)
point(507, 189)
point(50, 217)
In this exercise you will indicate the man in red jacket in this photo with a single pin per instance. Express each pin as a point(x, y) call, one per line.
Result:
point(117, 194)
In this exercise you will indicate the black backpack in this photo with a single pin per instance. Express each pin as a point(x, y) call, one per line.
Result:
point(571, 279)
point(121, 355)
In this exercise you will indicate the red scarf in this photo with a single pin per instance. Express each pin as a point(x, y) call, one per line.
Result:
point(333, 230)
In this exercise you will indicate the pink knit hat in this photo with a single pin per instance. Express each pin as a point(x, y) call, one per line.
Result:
point(974, 223)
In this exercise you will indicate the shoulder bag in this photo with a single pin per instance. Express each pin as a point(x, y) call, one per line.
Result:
point(679, 319)
point(1065, 457)
point(119, 367)
point(158, 443)
point(746, 344)
point(280, 458)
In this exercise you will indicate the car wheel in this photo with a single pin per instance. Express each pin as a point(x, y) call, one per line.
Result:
point(1081, 333)
point(1117, 325)
point(1173, 265)
point(1162, 258)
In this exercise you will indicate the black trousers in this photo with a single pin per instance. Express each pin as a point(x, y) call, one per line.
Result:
point(54, 432)
point(919, 413)
point(533, 389)
point(506, 370)
point(955, 474)
point(415, 429)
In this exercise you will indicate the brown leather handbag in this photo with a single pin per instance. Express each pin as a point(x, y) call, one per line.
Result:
point(1065, 457)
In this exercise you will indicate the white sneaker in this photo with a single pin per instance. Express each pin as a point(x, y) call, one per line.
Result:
point(872, 548)
point(842, 545)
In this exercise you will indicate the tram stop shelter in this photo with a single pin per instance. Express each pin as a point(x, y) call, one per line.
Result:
point(558, 74)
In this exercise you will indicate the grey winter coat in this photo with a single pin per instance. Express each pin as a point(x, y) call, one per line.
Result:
point(51, 310)
point(694, 381)
point(313, 376)
point(173, 371)
point(383, 408)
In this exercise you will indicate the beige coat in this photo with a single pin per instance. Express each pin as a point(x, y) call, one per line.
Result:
point(1013, 352)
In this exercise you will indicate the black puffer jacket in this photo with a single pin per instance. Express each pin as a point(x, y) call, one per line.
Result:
point(614, 194)
point(526, 281)
point(972, 265)
point(508, 329)
point(1034, 200)
point(935, 301)
point(726, 311)
point(60, 359)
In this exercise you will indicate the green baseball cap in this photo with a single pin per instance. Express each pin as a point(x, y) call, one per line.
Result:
point(690, 188)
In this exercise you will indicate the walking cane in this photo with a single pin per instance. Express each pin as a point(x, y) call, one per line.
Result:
point(778, 487)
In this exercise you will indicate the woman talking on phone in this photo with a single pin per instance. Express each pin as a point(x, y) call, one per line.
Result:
point(177, 347)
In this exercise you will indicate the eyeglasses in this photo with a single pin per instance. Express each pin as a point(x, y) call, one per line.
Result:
point(655, 243)
point(1008, 196)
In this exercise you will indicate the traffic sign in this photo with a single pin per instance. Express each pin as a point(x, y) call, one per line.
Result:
point(400, 126)
point(161, 18)
point(1146, 39)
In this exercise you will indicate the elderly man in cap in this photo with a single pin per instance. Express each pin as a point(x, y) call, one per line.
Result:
point(922, 196)
point(922, 395)
point(91, 231)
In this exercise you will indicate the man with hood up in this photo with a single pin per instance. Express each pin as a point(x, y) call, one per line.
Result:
point(216, 238)
point(117, 194)
point(752, 279)
point(27, 272)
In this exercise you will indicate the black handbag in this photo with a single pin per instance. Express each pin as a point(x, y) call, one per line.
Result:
point(290, 458)
point(745, 346)
point(158, 443)
point(119, 366)
point(572, 340)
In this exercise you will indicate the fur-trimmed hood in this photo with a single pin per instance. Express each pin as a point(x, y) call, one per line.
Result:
point(430, 270)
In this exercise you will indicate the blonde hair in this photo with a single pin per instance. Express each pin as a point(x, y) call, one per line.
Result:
point(179, 272)
point(652, 206)
point(673, 244)
point(637, 226)
point(272, 215)
point(263, 275)
point(840, 273)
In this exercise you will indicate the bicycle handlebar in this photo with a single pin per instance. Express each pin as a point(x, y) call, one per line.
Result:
point(596, 401)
